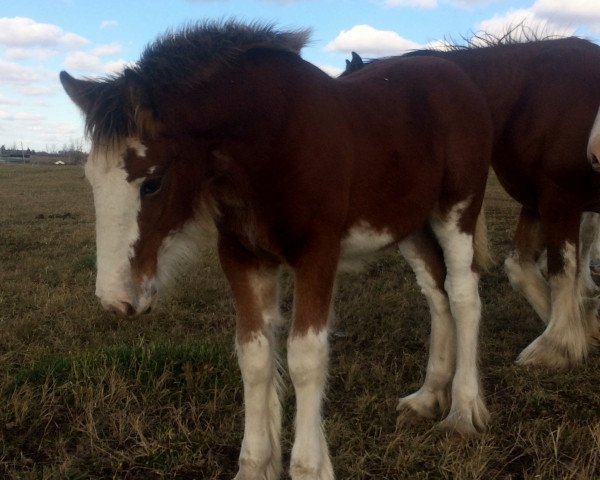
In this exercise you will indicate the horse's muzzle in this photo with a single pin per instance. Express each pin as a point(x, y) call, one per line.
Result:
point(124, 309)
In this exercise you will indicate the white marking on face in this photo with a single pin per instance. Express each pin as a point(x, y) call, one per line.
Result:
point(151, 170)
point(137, 146)
point(361, 242)
point(117, 204)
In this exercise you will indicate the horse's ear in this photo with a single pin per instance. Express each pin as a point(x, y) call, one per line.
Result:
point(140, 102)
point(82, 92)
point(357, 61)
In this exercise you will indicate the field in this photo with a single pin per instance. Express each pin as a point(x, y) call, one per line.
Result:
point(88, 396)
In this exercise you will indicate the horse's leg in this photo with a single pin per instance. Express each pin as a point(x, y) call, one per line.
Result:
point(308, 356)
point(521, 265)
point(255, 292)
point(589, 237)
point(468, 414)
point(424, 256)
point(573, 324)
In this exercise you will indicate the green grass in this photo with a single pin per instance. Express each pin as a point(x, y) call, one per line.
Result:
point(86, 395)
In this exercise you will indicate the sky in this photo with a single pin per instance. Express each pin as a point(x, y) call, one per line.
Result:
point(93, 38)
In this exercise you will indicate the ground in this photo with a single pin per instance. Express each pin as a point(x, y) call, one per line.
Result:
point(86, 395)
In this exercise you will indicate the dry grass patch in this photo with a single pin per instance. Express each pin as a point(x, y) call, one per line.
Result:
point(88, 396)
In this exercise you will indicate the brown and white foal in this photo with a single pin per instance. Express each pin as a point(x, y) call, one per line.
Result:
point(224, 127)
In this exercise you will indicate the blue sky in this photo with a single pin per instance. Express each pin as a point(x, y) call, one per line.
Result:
point(38, 38)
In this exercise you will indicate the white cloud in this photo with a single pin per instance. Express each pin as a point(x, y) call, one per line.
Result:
point(25, 32)
point(89, 62)
point(104, 24)
point(32, 53)
point(36, 90)
point(106, 50)
point(473, 3)
point(27, 117)
point(7, 101)
point(577, 10)
point(14, 73)
point(570, 14)
point(547, 18)
point(24, 117)
point(431, 4)
point(116, 66)
point(83, 61)
point(331, 70)
point(370, 41)
point(523, 22)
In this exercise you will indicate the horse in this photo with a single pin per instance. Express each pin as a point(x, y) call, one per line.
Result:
point(223, 127)
point(543, 96)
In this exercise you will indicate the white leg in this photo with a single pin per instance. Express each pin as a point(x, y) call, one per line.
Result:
point(260, 455)
point(308, 356)
point(589, 244)
point(526, 278)
point(566, 339)
point(433, 398)
point(468, 414)
point(257, 304)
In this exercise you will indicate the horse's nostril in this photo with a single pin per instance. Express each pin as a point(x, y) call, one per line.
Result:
point(121, 309)
point(129, 310)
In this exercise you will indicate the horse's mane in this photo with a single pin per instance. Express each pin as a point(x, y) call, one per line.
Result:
point(177, 56)
point(178, 60)
point(514, 35)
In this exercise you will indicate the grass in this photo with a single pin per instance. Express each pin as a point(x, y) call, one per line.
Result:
point(87, 396)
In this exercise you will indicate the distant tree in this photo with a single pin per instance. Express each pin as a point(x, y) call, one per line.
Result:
point(74, 152)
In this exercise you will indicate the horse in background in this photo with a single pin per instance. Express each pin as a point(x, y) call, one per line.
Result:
point(543, 96)
point(224, 127)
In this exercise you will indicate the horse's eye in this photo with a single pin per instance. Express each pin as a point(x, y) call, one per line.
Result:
point(150, 186)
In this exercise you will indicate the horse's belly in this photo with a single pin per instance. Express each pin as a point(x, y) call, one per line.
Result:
point(362, 242)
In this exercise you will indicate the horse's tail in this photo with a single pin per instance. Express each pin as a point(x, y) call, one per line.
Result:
point(483, 256)
point(593, 147)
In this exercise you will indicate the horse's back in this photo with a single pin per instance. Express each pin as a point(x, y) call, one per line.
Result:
point(422, 133)
point(544, 96)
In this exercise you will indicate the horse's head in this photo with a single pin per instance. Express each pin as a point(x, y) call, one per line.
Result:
point(161, 160)
point(146, 193)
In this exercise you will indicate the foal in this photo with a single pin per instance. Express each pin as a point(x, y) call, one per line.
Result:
point(543, 97)
point(224, 126)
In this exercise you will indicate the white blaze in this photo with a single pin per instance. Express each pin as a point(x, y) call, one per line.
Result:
point(117, 204)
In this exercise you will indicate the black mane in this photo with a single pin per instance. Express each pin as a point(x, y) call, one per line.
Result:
point(514, 35)
point(178, 60)
point(177, 56)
